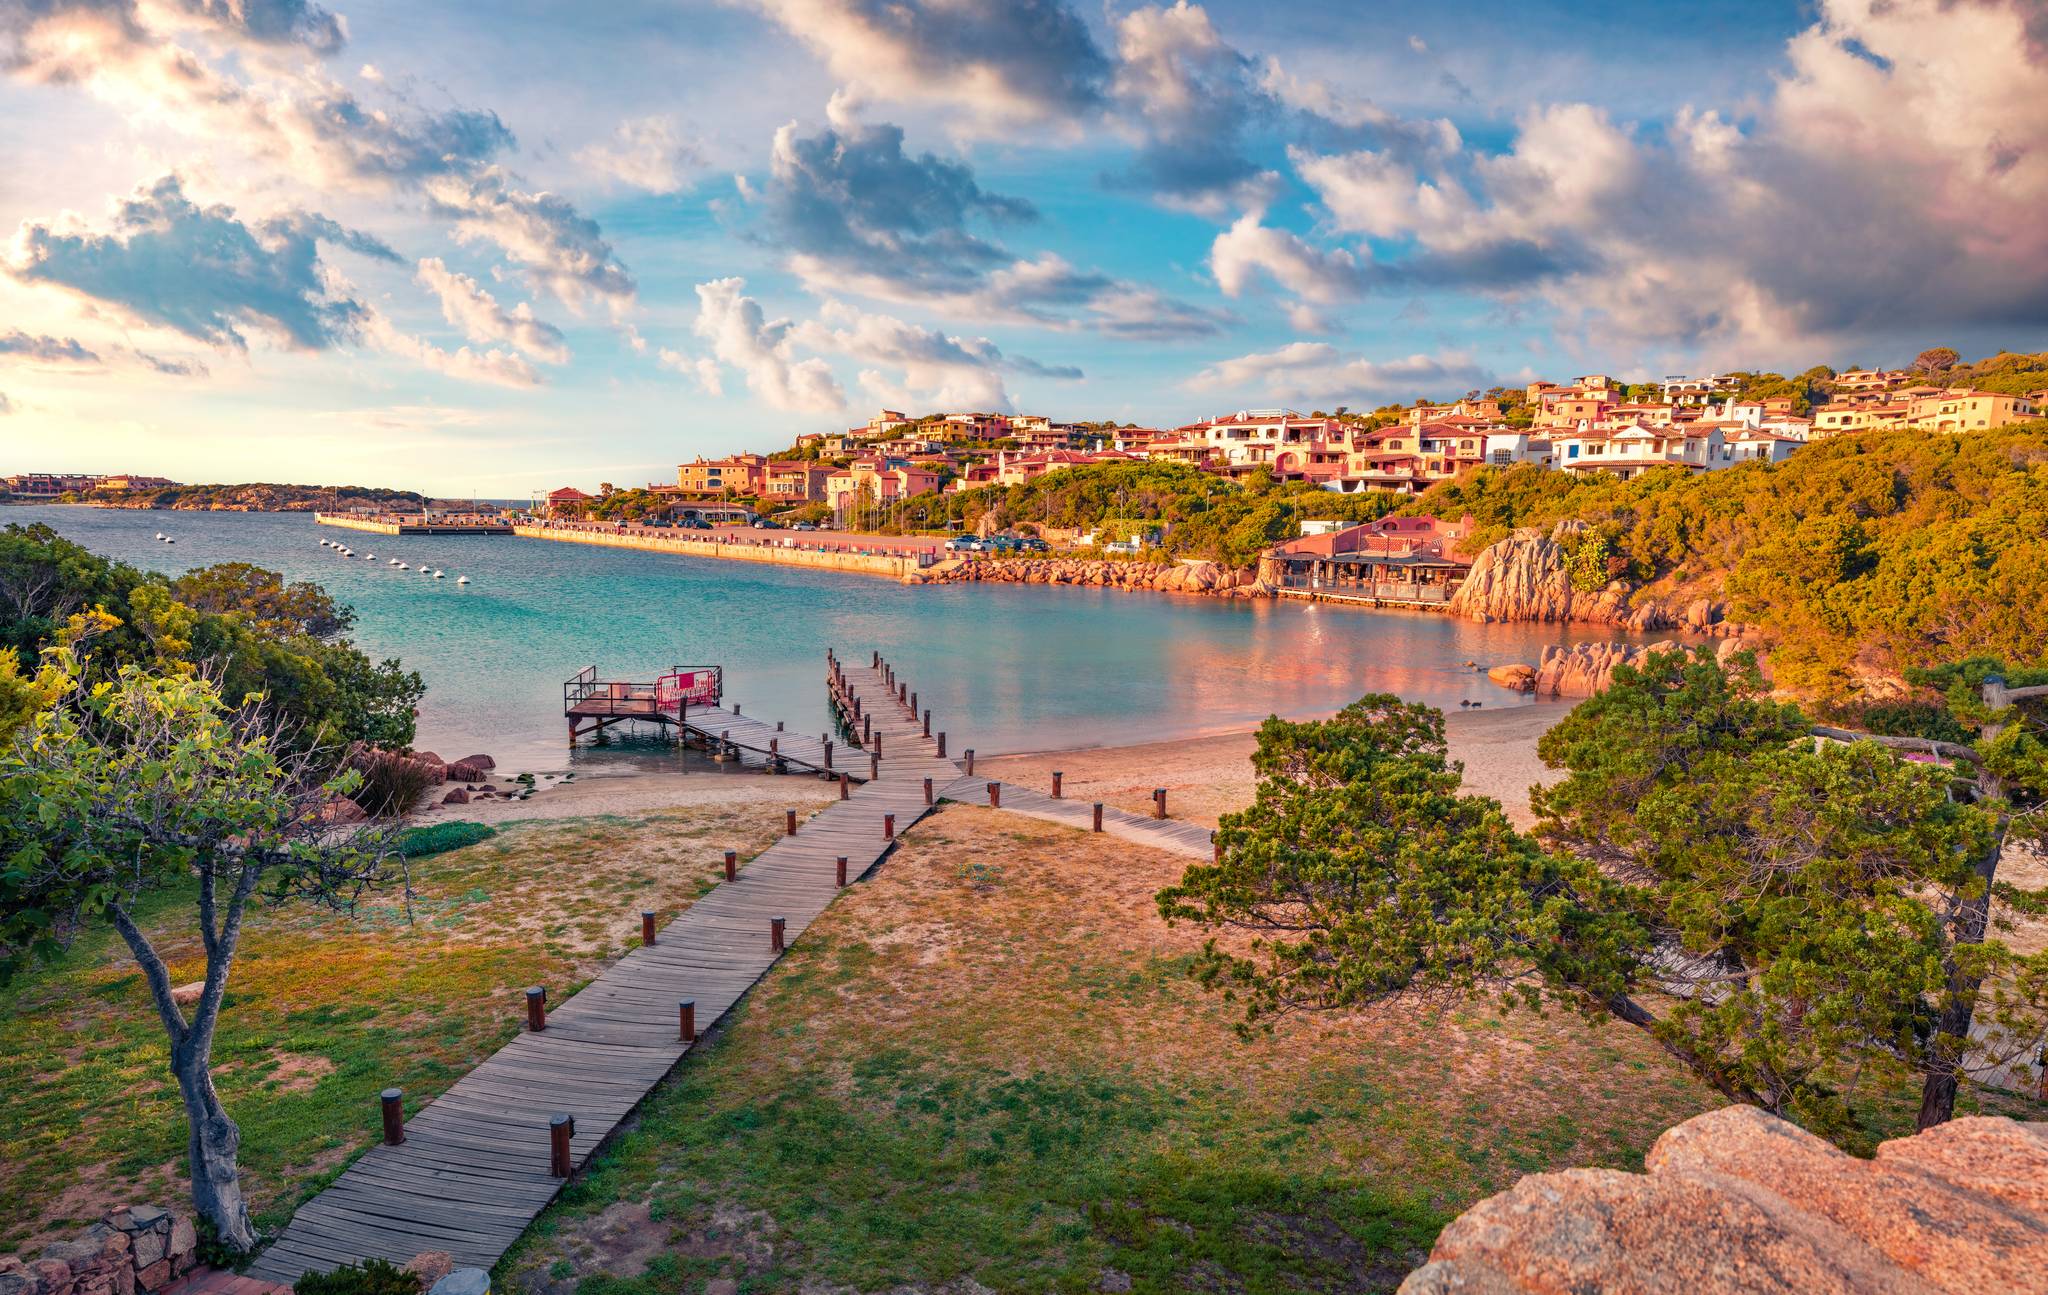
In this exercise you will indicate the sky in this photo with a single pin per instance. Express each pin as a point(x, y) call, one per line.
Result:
point(495, 247)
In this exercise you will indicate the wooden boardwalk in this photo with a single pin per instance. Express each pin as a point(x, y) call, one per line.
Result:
point(473, 1170)
point(1189, 839)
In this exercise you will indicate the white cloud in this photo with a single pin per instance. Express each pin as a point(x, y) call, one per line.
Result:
point(562, 250)
point(650, 153)
point(993, 64)
point(466, 304)
point(1895, 175)
point(496, 367)
point(739, 335)
point(1319, 372)
point(1251, 248)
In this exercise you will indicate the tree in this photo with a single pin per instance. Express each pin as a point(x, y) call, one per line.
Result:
point(152, 783)
point(1788, 919)
point(1936, 359)
point(1822, 907)
point(1362, 875)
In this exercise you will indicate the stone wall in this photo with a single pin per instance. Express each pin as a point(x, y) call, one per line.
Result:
point(1737, 1201)
point(1209, 578)
point(897, 566)
point(135, 1248)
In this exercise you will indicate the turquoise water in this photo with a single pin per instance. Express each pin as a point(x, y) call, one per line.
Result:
point(1003, 667)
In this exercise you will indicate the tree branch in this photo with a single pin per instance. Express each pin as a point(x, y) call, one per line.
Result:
point(153, 971)
point(1947, 750)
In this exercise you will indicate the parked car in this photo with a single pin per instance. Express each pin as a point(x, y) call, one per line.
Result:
point(803, 526)
point(769, 524)
point(965, 544)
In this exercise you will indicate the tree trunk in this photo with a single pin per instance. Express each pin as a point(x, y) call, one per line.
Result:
point(1959, 997)
point(210, 1146)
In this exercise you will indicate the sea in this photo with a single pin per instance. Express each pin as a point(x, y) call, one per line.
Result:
point(1004, 668)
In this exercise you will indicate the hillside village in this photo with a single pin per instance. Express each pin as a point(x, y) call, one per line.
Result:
point(1594, 424)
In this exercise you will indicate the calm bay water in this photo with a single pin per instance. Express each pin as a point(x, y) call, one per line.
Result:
point(1003, 667)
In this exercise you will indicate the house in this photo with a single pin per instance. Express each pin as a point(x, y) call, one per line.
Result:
point(1682, 390)
point(46, 485)
point(794, 481)
point(1629, 451)
point(1962, 410)
point(1511, 446)
point(129, 482)
point(1394, 559)
point(1870, 379)
point(885, 422)
point(740, 474)
point(869, 481)
point(565, 499)
point(1757, 445)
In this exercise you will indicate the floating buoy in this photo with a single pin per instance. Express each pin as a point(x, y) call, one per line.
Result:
point(159, 534)
point(403, 567)
point(462, 580)
point(439, 576)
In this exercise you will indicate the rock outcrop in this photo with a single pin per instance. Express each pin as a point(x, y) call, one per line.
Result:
point(1525, 577)
point(1211, 578)
point(1582, 669)
point(134, 1248)
point(1737, 1201)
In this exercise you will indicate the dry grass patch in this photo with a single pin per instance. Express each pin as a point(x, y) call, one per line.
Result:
point(988, 1062)
point(324, 1010)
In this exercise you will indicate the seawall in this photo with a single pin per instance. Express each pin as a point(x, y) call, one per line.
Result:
point(357, 523)
point(890, 565)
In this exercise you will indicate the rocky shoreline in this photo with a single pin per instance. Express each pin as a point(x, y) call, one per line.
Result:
point(1213, 579)
point(1527, 577)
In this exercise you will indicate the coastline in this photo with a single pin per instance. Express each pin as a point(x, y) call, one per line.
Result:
point(1204, 776)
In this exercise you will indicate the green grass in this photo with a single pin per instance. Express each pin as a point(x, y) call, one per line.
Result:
point(439, 838)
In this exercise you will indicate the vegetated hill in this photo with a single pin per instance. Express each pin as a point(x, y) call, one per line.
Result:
point(255, 497)
point(1203, 515)
point(1859, 555)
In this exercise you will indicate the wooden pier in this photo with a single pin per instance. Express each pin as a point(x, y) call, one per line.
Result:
point(471, 1169)
point(688, 705)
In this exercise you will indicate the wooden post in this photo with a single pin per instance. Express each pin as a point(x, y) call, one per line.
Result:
point(646, 926)
point(828, 755)
point(913, 703)
point(878, 658)
point(927, 791)
point(560, 1130)
point(867, 729)
point(839, 870)
point(775, 933)
point(778, 727)
point(845, 786)
point(686, 1021)
point(735, 708)
point(394, 1116)
point(774, 746)
point(1159, 802)
point(942, 746)
point(536, 1009)
point(888, 827)
point(878, 744)
point(732, 865)
point(789, 822)
point(927, 722)
point(1056, 776)
point(1098, 816)
point(874, 765)
point(970, 760)
point(995, 795)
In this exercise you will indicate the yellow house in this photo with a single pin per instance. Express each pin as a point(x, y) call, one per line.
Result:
point(1969, 411)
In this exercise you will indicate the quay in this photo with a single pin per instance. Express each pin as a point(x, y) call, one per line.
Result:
point(418, 523)
point(781, 548)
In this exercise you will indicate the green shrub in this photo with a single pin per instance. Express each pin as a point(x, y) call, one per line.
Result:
point(439, 838)
point(371, 1277)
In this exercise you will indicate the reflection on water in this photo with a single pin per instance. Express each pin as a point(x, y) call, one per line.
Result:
point(1004, 667)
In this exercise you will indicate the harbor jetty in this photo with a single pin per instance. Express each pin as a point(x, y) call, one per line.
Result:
point(862, 555)
point(419, 523)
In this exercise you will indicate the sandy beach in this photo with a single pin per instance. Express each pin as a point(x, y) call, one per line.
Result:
point(1204, 777)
